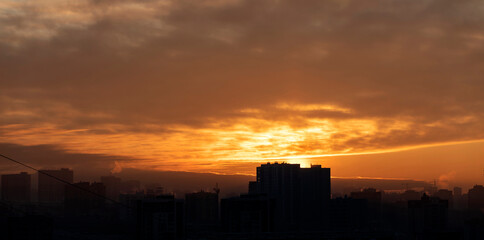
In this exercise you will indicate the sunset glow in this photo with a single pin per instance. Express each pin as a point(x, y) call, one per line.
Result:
point(221, 86)
point(245, 139)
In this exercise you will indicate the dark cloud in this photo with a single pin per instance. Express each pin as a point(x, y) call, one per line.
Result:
point(89, 166)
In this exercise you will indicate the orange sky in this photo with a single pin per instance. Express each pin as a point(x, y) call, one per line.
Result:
point(368, 88)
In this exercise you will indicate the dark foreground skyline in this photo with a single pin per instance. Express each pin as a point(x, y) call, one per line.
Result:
point(284, 202)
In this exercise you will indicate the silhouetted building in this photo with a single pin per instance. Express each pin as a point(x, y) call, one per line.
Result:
point(16, 187)
point(410, 195)
point(153, 190)
point(251, 213)
point(457, 192)
point(131, 201)
point(459, 199)
point(52, 190)
point(476, 197)
point(348, 214)
point(202, 208)
point(445, 194)
point(369, 194)
point(113, 186)
point(428, 215)
point(130, 187)
point(161, 217)
point(254, 187)
point(84, 198)
point(301, 194)
point(281, 181)
point(315, 198)
point(373, 199)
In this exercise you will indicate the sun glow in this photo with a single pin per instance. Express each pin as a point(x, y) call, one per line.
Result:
point(304, 162)
point(220, 147)
point(312, 107)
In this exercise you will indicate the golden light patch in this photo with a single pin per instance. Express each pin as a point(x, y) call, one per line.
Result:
point(312, 107)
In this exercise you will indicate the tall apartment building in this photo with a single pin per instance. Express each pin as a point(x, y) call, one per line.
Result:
point(16, 187)
point(302, 195)
point(52, 190)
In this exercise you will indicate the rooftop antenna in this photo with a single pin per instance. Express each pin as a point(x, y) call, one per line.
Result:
point(216, 189)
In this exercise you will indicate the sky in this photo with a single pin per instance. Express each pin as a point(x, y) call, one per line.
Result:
point(377, 88)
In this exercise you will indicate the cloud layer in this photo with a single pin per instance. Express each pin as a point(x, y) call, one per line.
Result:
point(195, 84)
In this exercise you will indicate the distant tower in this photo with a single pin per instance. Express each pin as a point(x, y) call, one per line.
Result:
point(476, 197)
point(432, 189)
point(52, 190)
point(16, 187)
point(457, 192)
point(113, 186)
point(216, 189)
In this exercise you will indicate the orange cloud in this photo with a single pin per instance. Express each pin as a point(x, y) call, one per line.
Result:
point(215, 86)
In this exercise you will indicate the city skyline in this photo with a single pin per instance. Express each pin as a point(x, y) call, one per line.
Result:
point(285, 201)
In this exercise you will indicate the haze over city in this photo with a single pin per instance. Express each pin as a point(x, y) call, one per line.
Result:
point(373, 89)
